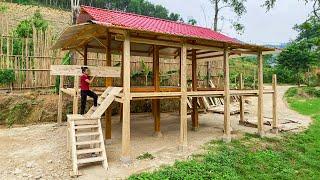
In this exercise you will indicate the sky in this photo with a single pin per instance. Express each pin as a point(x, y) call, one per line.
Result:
point(261, 27)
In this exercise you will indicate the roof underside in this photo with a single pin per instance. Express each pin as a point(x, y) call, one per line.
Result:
point(94, 24)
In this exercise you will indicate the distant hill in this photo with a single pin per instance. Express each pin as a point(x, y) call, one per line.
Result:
point(14, 13)
point(279, 46)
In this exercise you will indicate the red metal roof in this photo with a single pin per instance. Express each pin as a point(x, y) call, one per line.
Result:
point(146, 23)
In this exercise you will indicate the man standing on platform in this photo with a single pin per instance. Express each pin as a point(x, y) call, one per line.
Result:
point(85, 82)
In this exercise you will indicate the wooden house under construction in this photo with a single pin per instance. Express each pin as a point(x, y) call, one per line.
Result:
point(114, 32)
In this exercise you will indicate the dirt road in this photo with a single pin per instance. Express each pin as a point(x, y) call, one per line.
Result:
point(39, 151)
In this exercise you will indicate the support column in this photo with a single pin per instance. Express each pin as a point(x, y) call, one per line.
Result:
point(260, 97)
point(121, 104)
point(194, 114)
point(125, 156)
point(108, 83)
point(75, 97)
point(156, 83)
point(241, 102)
point(274, 105)
point(60, 103)
point(183, 101)
point(227, 122)
point(85, 55)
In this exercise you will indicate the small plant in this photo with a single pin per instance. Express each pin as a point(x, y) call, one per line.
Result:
point(18, 113)
point(7, 77)
point(146, 155)
point(3, 9)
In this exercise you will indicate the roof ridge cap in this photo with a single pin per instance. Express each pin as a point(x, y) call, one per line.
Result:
point(151, 17)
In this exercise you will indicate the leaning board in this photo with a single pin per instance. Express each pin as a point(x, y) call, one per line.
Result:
point(75, 70)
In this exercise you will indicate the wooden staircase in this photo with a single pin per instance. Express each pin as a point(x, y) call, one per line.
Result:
point(85, 138)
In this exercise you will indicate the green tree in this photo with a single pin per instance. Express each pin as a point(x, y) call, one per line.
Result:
point(298, 58)
point(237, 6)
point(192, 21)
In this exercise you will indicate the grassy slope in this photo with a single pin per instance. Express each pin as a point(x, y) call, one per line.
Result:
point(59, 19)
point(293, 156)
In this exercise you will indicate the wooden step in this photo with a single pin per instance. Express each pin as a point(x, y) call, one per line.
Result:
point(86, 122)
point(87, 134)
point(87, 142)
point(86, 126)
point(87, 151)
point(90, 160)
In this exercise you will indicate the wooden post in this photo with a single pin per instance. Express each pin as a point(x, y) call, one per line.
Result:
point(108, 83)
point(121, 104)
point(194, 114)
point(241, 86)
point(260, 96)
point(227, 122)
point(156, 83)
point(60, 103)
point(274, 105)
point(183, 101)
point(126, 101)
point(85, 55)
point(75, 97)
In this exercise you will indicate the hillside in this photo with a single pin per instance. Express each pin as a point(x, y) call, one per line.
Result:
point(14, 13)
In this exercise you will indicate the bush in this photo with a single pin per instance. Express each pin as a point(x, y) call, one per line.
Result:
point(7, 76)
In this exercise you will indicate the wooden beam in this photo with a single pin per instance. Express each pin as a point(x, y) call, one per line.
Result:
point(85, 55)
point(75, 70)
point(60, 102)
point(156, 83)
point(79, 52)
point(260, 97)
point(241, 102)
point(194, 114)
point(98, 40)
point(183, 100)
point(75, 97)
point(227, 122)
point(274, 105)
point(125, 156)
point(108, 84)
point(155, 42)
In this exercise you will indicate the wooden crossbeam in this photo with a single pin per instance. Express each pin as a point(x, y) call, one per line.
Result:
point(75, 70)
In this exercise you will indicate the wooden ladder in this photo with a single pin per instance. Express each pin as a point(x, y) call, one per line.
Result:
point(86, 143)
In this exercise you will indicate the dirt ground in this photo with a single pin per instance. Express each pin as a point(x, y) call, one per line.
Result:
point(39, 151)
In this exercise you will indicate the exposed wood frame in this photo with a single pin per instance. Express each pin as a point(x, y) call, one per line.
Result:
point(60, 101)
point(156, 84)
point(274, 104)
point(241, 101)
point(184, 98)
point(260, 96)
point(75, 97)
point(108, 113)
point(194, 113)
point(125, 156)
point(227, 122)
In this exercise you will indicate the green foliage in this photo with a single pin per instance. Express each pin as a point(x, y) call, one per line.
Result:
point(65, 61)
point(291, 156)
point(146, 155)
point(297, 59)
point(3, 9)
point(24, 28)
point(142, 7)
point(7, 76)
point(192, 21)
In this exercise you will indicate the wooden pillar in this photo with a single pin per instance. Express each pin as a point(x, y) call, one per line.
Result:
point(194, 114)
point(241, 102)
point(274, 105)
point(60, 103)
point(260, 96)
point(227, 122)
point(183, 101)
point(121, 105)
point(75, 97)
point(85, 55)
point(126, 101)
point(156, 83)
point(108, 83)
